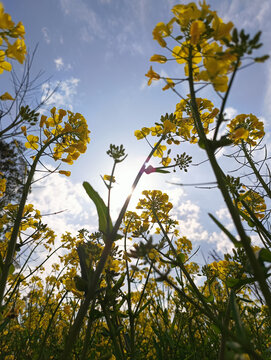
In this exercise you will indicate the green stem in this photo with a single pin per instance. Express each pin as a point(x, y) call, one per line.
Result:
point(76, 327)
point(112, 331)
point(88, 333)
point(256, 172)
point(220, 118)
point(109, 197)
point(225, 323)
point(49, 326)
point(129, 299)
point(257, 269)
point(16, 227)
point(186, 273)
point(19, 215)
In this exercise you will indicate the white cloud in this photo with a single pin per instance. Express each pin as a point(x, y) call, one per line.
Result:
point(59, 63)
point(188, 215)
point(65, 207)
point(222, 242)
point(45, 33)
point(64, 93)
point(230, 112)
point(223, 214)
point(56, 194)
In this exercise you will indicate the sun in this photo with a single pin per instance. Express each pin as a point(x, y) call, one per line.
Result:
point(125, 176)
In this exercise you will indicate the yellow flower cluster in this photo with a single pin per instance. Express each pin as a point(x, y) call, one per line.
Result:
point(183, 244)
point(182, 125)
point(2, 185)
point(225, 268)
point(155, 205)
point(185, 123)
point(246, 127)
point(135, 224)
point(68, 131)
point(254, 201)
point(30, 216)
point(31, 227)
point(204, 33)
point(15, 50)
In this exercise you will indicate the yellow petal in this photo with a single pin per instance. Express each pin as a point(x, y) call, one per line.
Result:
point(6, 96)
point(63, 172)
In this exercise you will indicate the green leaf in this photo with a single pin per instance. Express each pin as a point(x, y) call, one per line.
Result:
point(247, 218)
point(230, 236)
point(236, 316)
point(210, 298)
point(11, 269)
point(215, 329)
point(96, 314)
point(179, 37)
point(119, 283)
point(101, 208)
point(143, 307)
point(162, 171)
point(235, 36)
point(201, 144)
point(261, 59)
point(181, 257)
point(119, 305)
point(231, 282)
point(81, 284)
point(237, 283)
point(265, 255)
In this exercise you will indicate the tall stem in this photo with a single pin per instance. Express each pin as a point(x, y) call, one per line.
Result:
point(19, 216)
point(257, 269)
point(110, 238)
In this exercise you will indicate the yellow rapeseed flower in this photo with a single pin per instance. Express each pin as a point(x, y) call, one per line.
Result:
point(6, 96)
point(168, 126)
point(17, 50)
point(2, 186)
point(141, 134)
point(23, 128)
point(152, 75)
point(32, 142)
point(162, 30)
point(4, 65)
point(246, 127)
point(109, 178)
point(66, 173)
point(170, 84)
point(196, 30)
point(159, 58)
point(5, 19)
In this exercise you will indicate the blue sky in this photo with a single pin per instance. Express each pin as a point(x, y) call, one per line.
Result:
point(99, 51)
